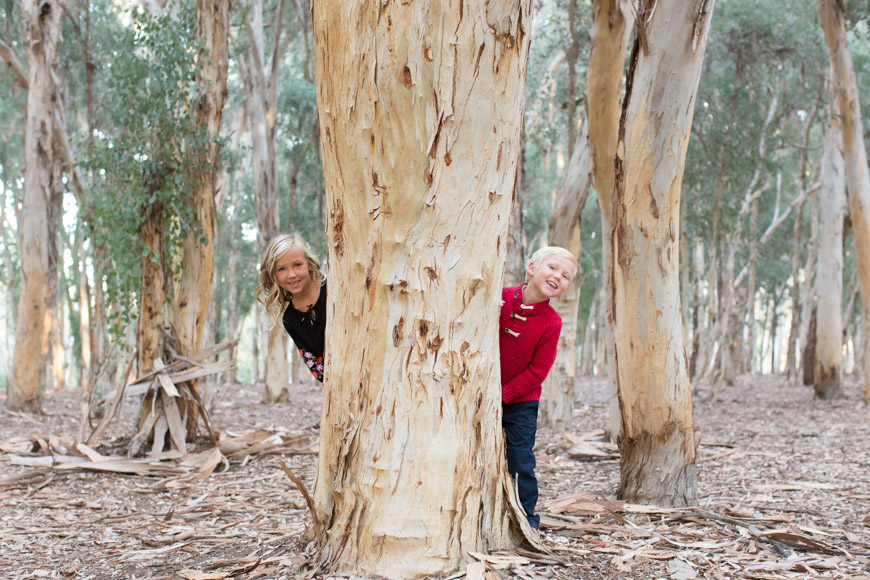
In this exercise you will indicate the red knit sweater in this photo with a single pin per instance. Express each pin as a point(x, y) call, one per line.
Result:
point(527, 347)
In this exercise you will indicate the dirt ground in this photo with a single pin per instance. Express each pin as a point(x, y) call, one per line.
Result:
point(783, 492)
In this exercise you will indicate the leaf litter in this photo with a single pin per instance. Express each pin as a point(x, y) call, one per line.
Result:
point(783, 492)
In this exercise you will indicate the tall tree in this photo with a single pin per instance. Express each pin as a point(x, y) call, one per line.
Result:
point(829, 279)
point(420, 143)
point(41, 25)
point(261, 85)
point(611, 24)
point(557, 400)
point(194, 292)
point(657, 441)
point(845, 87)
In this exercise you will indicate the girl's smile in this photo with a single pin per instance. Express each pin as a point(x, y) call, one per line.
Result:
point(291, 272)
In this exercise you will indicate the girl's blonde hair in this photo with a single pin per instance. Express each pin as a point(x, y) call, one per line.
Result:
point(548, 251)
point(272, 296)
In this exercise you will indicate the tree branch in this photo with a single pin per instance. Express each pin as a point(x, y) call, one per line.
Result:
point(7, 54)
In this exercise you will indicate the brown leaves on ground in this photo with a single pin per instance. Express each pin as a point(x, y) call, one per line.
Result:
point(784, 490)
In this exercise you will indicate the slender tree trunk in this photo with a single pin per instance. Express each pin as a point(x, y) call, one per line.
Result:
point(832, 14)
point(262, 115)
point(611, 26)
point(751, 349)
point(557, 400)
point(657, 442)
point(149, 331)
point(420, 144)
point(829, 284)
point(808, 309)
point(700, 303)
point(796, 306)
point(52, 366)
point(84, 306)
point(41, 25)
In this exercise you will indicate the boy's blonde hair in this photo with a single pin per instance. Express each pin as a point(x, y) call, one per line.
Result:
point(272, 296)
point(548, 251)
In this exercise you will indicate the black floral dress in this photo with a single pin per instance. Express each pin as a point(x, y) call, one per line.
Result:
point(308, 331)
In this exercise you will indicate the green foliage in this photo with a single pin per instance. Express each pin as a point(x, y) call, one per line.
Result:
point(145, 151)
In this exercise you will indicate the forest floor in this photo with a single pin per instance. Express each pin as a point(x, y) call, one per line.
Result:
point(783, 492)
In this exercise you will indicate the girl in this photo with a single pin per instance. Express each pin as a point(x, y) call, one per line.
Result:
point(293, 286)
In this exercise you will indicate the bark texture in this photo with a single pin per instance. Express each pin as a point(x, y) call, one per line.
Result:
point(41, 28)
point(657, 443)
point(420, 142)
point(557, 399)
point(829, 282)
point(833, 18)
point(611, 26)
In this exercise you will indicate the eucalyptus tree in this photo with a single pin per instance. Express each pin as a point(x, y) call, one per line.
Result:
point(657, 441)
point(41, 26)
point(420, 143)
point(845, 89)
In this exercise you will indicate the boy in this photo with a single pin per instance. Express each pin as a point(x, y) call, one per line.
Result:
point(528, 334)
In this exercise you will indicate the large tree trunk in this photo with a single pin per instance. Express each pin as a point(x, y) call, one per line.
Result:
point(260, 102)
point(149, 330)
point(611, 25)
point(833, 16)
point(420, 144)
point(193, 295)
point(515, 263)
point(657, 442)
point(829, 283)
point(52, 366)
point(41, 25)
point(557, 399)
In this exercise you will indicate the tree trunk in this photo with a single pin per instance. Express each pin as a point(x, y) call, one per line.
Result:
point(796, 306)
point(832, 14)
point(41, 25)
point(657, 442)
point(149, 331)
point(260, 104)
point(515, 263)
point(557, 399)
point(611, 27)
point(420, 144)
point(701, 296)
point(751, 349)
point(829, 283)
point(195, 287)
point(52, 366)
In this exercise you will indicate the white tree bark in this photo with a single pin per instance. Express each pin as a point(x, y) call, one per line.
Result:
point(41, 26)
point(829, 282)
point(420, 142)
point(657, 442)
point(832, 14)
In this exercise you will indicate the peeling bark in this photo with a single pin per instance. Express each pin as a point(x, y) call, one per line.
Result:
point(420, 142)
point(657, 442)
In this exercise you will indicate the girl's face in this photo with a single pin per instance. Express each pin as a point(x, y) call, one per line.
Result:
point(291, 271)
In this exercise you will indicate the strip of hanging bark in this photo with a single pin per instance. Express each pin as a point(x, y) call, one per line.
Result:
point(318, 526)
point(519, 516)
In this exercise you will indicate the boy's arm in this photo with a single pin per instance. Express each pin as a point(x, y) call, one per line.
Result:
point(534, 374)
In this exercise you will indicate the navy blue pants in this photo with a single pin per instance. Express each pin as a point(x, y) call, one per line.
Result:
point(520, 422)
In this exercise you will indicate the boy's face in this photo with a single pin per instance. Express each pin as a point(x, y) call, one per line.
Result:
point(551, 276)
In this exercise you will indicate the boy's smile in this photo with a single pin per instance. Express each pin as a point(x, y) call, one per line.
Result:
point(549, 279)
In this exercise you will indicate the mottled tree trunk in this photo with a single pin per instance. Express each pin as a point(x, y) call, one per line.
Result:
point(515, 262)
point(420, 144)
point(53, 364)
point(833, 17)
point(557, 399)
point(41, 26)
point(657, 442)
point(611, 25)
point(829, 283)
